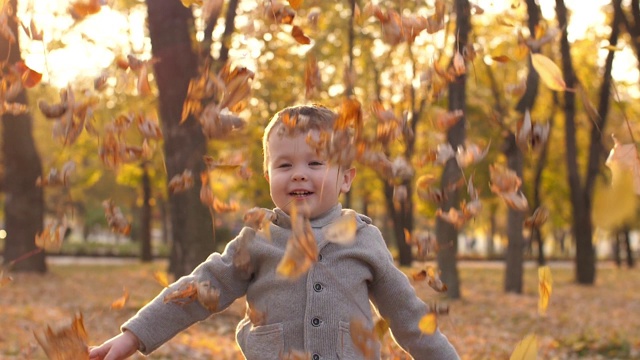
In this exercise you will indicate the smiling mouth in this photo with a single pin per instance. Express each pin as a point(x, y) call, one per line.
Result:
point(300, 193)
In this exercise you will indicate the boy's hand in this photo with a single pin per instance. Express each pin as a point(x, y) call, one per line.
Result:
point(117, 348)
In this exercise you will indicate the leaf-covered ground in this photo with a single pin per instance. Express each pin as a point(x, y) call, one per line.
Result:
point(588, 322)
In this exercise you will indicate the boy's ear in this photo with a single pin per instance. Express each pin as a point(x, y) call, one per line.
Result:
point(266, 175)
point(347, 178)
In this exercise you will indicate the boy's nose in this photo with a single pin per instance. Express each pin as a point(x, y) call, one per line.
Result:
point(299, 176)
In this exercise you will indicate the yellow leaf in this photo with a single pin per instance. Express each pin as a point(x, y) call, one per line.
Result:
point(527, 349)
point(161, 277)
point(343, 230)
point(549, 72)
point(428, 323)
point(544, 288)
point(615, 205)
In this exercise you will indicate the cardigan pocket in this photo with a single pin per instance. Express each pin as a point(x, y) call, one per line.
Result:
point(265, 342)
point(346, 349)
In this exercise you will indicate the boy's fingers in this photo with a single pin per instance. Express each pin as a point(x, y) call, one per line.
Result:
point(97, 352)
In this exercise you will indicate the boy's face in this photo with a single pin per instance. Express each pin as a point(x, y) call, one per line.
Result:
point(297, 174)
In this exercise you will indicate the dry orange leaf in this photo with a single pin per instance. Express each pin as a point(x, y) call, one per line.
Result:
point(83, 8)
point(299, 35)
point(120, 302)
point(549, 72)
point(115, 218)
point(428, 323)
point(295, 4)
point(30, 77)
point(343, 230)
point(545, 283)
point(65, 343)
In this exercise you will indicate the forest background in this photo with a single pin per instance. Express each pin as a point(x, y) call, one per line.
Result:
point(469, 129)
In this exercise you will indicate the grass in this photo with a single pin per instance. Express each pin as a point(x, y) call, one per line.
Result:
point(582, 322)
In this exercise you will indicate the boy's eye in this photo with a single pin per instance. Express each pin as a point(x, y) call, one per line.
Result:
point(284, 165)
point(316, 163)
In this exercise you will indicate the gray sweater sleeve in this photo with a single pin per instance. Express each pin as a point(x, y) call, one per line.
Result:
point(157, 322)
point(397, 302)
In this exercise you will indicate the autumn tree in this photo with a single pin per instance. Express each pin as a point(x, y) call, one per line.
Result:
point(170, 26)
point(24, 207)
point(446, 233)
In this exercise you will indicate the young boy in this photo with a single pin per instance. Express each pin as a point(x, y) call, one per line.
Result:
point(305, 304)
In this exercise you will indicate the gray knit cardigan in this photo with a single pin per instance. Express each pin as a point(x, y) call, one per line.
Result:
point(310, 314)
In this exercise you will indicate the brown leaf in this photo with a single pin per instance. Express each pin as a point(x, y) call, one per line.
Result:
point(161, 277)
point(343, 230)
point(68, 342)
point(181, 182)
point(206, 193)
point(207, 295)
point(299, 35)
point(301, 251)
point(363, 338)
point(115, 218)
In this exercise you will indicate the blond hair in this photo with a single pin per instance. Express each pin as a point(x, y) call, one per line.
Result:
point(297, 120)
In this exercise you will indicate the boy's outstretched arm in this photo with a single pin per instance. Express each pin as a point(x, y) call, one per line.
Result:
point(117, 348)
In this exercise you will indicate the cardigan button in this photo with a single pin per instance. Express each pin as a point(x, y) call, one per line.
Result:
point(315, 322)
point(316, 357)
point(317, 287)
point(319, 257)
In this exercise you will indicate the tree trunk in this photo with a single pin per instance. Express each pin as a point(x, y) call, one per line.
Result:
point(145, 218)
point(24, 203)
point(185, 145)
point(402, 217)
point(515, 219)
point(446, 233)
point(580, 201)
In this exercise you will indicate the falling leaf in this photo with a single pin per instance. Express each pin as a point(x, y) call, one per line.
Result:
point(301, 251)
point(119, 303)
point(538, 218)
point(299, 35)
point(549, 72)
point(501, 58)
point(624, 161)
point(363, 338)
point(295, 4)
point(221, 207)
point(206, 193)
point(162, 278)
point(545, 283)
point(343, 230)
point(181, 182)
point(312, 78)
point(527, 349)
point(256, 316)
point(83, 8)
point(115, 218)
point(55, 177)
point(207, 295)
point(428, 323)
point(381, 328)
point(433, 279)
point(185, 294)
point(4, 280)
point(28, 76)
point(615, 205)
point(68, 342)
point(50, 239)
